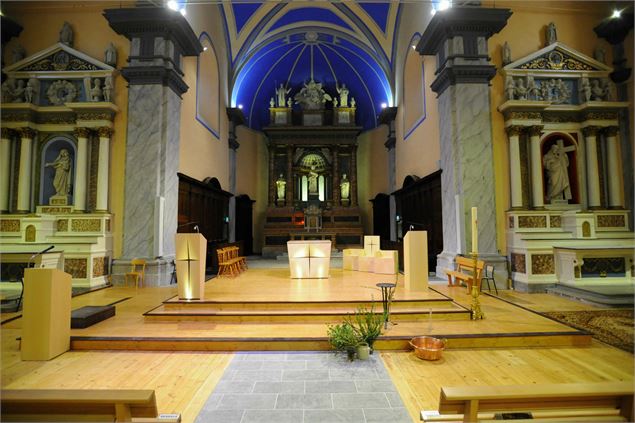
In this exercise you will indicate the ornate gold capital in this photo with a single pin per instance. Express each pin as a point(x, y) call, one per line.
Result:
point(7, 133)
point(514, 130)
point(29, 133)
point(612, 131)
point(535, 130)
point(105, 132)
point(82, 132)
point(590, 131)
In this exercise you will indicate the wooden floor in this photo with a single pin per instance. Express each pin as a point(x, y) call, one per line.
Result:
point(184, 380)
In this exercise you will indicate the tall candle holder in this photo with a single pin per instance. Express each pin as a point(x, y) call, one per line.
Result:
point(475, 306)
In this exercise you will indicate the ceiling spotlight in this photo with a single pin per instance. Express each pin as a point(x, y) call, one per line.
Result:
point(433, 11)
point(182, 11)
point(240, 106)
point(414, 47)
point(173, 5)
point(204, 48)
point(384, 105)
point(444, 4)
point(616, 14)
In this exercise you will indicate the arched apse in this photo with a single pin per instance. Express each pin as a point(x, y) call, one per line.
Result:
point(208, 87)
point(414, 96)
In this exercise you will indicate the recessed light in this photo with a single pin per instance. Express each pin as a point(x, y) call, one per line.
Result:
point(204, 48)
point(173, 5)
point(616, 14)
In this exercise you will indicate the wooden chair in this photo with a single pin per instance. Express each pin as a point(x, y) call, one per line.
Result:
point(137, 272)
point(466, 273)
point(227, 265)
point(489, 276)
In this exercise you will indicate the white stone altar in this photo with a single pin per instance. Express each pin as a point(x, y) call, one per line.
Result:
point(309, 259)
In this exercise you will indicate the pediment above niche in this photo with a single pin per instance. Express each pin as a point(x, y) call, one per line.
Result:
point(556, 57)
point(58, 58)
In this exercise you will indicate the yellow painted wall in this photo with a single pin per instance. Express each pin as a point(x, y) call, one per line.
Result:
point(525, 33)
point(252, 177)
point(372, 171)
point(41, 22)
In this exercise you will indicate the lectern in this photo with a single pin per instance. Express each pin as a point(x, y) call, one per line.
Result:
point(191, 250)
point(46, 318)
point(415, 260)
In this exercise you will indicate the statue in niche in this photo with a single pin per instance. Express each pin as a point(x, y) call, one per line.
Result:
point(62, 165)
point(272, 103)
point(110, 55)
point(312, 96)
point(66, 34)
point(18, 53)
point(343, 92)
point(108, 88)
point(556, 164)
point(520, 92)
point(599, 54)
point(552, 36)
point(545, 90)
point(281, 185)
point(282, 92)
point(561, 93)
point(507, 54)
point(597, 92)
point(30, 92)
point(585, 89)
point(313, 180)
point(345, 187)
point(95, 92)
point(533, 93)
point(18, 92)
point(353, 102)
point(510, 87)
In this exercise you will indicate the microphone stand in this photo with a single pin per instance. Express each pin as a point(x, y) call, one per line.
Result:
point(46, 250)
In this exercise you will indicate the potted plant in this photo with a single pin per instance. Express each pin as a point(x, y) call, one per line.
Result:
point(366, 324)
point(343, 338)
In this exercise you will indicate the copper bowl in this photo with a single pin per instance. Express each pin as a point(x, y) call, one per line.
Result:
point(427, 347)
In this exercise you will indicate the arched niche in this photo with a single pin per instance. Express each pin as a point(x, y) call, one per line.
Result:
point(50, 152)
point(208, 87)
point(309, 163)
point(414, 99)
point(570, 146)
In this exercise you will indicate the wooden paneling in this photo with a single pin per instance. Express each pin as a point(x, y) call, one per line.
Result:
point(381, 216)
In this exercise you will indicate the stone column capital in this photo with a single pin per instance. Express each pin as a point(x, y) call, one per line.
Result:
point(105, 132)
point(612, 131)
point(7, 133)
point(535, 130)
point(81, 132)
point(29, 133)
point(514, 130)
point(590, 131)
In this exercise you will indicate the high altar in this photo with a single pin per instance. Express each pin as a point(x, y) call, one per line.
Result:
point(312, 171)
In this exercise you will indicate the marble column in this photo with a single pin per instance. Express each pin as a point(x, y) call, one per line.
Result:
point(354, 176)
point(535, 157)
point(515, 177)
point(24, 174)
point(336, 175)
point(592, 166)
point(289, 187)
point(387, 117)
point(272, 176)
point(5, 171)
point(81, 169)
point(159, 38)
point(103, 167)
point(616, 197)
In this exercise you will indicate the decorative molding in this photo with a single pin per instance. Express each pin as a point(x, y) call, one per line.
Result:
point(542, 264)
point(95, 115)
point(58, 62)
point(556, 60)
point(535, 130)
point(99, 266)
point(511, 222)
point(29, 234)
point(105, 132)
point(590, 131)
point(611, 221)
point(7, 133)
point(155, 75)
point(523, 115)
point(612, 131)
point(86, 225)
point(514, 130)
point(28, 133)
point(53, 210)
point(532, 221)
point(11, 116)
point(9, 225)
point(62, 225)
point(601, 116)
point(82, 132)
point(519, 264)
point(555, 221)
point(462, 74)
point(76, 267)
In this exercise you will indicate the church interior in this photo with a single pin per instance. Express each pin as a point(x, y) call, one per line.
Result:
point(201, 199)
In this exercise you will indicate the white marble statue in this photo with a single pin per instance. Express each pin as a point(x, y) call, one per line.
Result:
point(272, 103)
point(281, 93)
point(533, 93)
point(353, 102)
point(30, 92)
point(545, 90)
point(507, 54)
point(597, 92)
point(510, 87)
point(66, 34)
point(108, 88)
point(556, 164)
point(343, 92)
point(62, 179)
point(585, 90)
point(551, 34)
point(312, 178)
point(312, 96)
point(18, 92)
point(95, 92)
point(606, 87)
point(334, 102)
point(7, 89)
point(289, 103)
point(110, 55)
point(345, 187)
point(561, 92)
point(520, 92)
point(18, 53)
point(281, 185)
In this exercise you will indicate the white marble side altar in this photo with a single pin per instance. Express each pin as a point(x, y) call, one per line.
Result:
point(309, 259)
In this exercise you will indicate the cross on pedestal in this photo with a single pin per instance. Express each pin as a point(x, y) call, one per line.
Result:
point(372, 245)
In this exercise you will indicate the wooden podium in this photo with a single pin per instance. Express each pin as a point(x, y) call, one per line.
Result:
point(415, 260)
point(46, 318)
point(191, 250)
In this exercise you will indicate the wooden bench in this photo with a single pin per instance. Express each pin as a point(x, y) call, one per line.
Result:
point(120, 405)
point(465, 273)
point(604, 401)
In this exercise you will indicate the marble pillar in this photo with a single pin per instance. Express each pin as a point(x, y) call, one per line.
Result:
point(81, 169)
point(592, 166)
point(515, 183)
point(103, 167)
point(535, 157)
point(616, 196)
point(5, 171)
point(24, 174)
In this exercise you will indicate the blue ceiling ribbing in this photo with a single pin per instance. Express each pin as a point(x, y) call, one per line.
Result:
point(242, 13)
point(309, 14)
point(379, 13)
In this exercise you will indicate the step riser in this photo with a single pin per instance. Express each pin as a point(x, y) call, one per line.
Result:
point(290, 307)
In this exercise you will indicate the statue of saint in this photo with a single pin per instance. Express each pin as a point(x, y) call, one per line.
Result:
point(272, 103)
point(585, 89)
point(343, 92)
point(510, 87)
point(282, 92)
point(108, 88)
point(18, 92)
point(597, 92)
point(345, 187)
point(62, 166)
point(507, 54)
point(552, 36)
point(353, 102)
point(66, 34)
point(312, 96)
point(30, 90)
point(95, 92)
point(313, 183)
point(556, 163)
point(110, 55)
point(281, 185)
point(521, 91)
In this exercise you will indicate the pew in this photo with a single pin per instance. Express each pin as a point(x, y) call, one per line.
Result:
point(465, 272)
point(575, 402)
point(119, 405)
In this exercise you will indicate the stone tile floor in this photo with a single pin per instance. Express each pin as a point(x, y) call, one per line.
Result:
point(304, 387)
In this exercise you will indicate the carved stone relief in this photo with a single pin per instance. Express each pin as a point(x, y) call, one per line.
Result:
point(542, 264)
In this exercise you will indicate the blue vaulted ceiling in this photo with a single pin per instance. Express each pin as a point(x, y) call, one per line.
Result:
point(268, 44)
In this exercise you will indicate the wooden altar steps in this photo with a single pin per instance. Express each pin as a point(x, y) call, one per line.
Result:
point(302, 311)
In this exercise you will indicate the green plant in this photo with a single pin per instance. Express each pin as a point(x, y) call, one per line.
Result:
point(344, 338)
point(366, 324)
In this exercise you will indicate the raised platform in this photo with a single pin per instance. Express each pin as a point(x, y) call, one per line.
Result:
point(611, 296)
